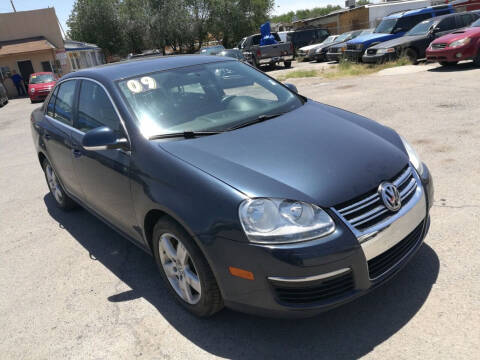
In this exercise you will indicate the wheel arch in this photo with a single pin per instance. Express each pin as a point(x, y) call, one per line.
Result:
point(41, 157)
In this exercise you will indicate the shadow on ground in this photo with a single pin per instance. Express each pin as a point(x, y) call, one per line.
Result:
point(348, 332)
point(464, 66)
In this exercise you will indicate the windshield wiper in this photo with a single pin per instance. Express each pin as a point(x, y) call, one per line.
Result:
point(257, 120)
point(185, 134)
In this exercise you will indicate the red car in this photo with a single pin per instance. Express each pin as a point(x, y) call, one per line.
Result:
point(40, 84)
point(462, 44)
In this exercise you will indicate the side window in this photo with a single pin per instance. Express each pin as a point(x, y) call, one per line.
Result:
point(64, 102)
point(447, 24)
point(406, 23)
point(442, 12)
point(95, 108)
point(464, 20)
point(51, 103)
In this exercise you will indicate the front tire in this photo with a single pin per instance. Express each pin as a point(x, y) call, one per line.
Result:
point(412, 56)
point(185, 270)
point(287, 64)
point(476, 59)
point(62, 200)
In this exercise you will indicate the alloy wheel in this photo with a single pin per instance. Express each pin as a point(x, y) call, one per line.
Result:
point(53, 184)
point(179, 268)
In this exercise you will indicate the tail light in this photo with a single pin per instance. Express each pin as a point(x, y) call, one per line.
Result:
point(291, 46)
point(259, 53)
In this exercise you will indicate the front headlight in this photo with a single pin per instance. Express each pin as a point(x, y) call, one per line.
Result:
point(414, 158)
point(460, 42)
point(318, 51)
point(386, 51)
point(279, 221)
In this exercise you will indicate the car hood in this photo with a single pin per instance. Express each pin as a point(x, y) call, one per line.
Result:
point(399, 41)
point(339, 45)
point(309, 47)
point(458, 35)
point(315, 153)
point(370, 38)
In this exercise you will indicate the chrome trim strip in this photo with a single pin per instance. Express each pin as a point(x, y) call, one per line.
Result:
point(401, 179)
point(372, 217)
point(308, 278)
point(377, 198)
point(369, 214)
point(358, 203)
point(69, 127)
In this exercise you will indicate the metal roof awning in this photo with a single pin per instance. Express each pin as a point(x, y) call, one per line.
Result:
point(21, 46)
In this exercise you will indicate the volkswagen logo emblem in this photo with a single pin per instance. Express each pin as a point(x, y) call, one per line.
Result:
point(390, 196)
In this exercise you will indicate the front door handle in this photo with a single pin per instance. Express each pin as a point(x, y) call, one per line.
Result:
point(76, 153)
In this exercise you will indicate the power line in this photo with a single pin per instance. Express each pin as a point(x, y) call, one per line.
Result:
point(13, 6)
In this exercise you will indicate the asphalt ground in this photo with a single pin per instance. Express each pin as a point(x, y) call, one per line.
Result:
point(72, 288)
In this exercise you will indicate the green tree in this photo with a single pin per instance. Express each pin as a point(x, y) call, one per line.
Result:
point(96, 21)
point(304, 14)
point(362, 2)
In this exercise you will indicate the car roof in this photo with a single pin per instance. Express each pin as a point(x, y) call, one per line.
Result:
point(42, 73)
point(425, 10)
point(129, 68)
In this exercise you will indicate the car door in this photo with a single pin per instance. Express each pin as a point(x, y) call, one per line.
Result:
point(56, 134)
point(104, 175)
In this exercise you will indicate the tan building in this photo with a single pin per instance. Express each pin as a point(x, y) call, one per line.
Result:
point(32, 41)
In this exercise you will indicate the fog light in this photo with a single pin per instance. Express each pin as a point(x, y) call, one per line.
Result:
point(459, 55)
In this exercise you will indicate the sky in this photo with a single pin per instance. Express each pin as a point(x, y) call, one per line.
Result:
point(64, 7)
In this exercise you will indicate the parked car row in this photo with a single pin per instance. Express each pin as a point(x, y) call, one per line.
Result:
point(437, 33)
point(3, 95)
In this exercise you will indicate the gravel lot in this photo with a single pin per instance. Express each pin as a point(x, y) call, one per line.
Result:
point(72, 288)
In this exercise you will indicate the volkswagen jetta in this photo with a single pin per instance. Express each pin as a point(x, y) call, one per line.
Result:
point(247, 194)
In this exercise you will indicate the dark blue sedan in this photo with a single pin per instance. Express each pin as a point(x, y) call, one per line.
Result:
point(247, 194)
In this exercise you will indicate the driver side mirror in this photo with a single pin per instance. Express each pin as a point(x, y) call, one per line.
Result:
point(103, 138)
point(291, 87)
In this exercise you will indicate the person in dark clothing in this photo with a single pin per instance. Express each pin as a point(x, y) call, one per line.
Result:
point(17, 80)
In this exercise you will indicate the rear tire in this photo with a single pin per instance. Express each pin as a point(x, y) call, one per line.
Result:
point(476, 59)
point(287, 64)
point(412, 55)
point(448, 63)
point(185, 270)
point(62, 200)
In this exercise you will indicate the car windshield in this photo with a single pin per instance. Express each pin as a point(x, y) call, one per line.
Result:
point(329, 40)
point(206, 97)
point(366, 32)
point(343, 37)
point(41, 78)
point(230, 53)
point(386, 26)
point(476, 23)
point(421, 28)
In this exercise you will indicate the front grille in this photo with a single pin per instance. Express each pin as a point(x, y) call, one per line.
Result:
point(371, 51)
point(368, 210)
point(351, 47)
point(439, 46)
point(324, 290)
point(334, 50)
point(380, 264)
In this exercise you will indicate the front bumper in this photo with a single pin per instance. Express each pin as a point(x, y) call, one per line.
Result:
point(353, 55)
point(378, 58)
point(334, 56)
point(451, 54)
point(302, 280)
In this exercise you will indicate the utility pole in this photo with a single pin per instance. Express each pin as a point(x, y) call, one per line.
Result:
point(13, 6)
